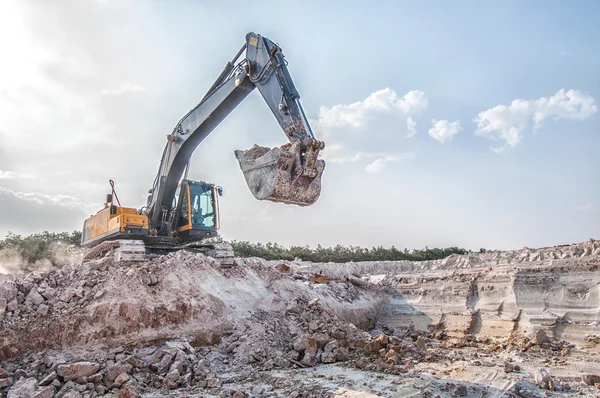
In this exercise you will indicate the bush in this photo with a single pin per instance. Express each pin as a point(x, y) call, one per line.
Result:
point(338, 253)
point(37, 246)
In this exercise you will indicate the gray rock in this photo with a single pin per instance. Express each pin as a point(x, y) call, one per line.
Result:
point(3, 304)
point(525, 389)
point(173, 375)
point(212, 382)
point(12, 305)
point(42, 310)
point(96, 377)
point(71, 394)
point(8, 290)
point(342, 354)
point(45, 392)
point(76, 370)
point(5, 382)
point(590, 379)
point(329, 347)
point(543, 379)
point(461, 391)
point(23, 388)
point(48, 379)
point(121, 379)
point(541, 337)
point(112, 372)
point(67, 295)
point(163, 365)
point(134, 361)
point(328, 357)
point(48, 293)
point(179, 365)
point(281, 362)
point(33, 298)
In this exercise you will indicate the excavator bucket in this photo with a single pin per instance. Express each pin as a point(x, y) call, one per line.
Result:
point(283, 174)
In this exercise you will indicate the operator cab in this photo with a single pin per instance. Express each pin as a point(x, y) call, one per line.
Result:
point(198, 205)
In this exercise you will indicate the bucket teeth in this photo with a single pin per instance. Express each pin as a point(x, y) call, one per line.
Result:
point(280, 174)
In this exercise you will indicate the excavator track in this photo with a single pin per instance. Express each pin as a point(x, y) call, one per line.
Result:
point(222, 252)
point(122, 249)
point(135, 250)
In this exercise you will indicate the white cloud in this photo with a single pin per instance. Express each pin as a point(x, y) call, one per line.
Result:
point(443, 130)
point(412, 127)
point(376, 166)
point(369, 128)
point(507, 122)
point(572, 104)
point(7, 174)
point(379, 164)
point(57, 200)
point(585, 207)
point(12, 175)
point(370, 155)
point(358, 113)
point(125, 88)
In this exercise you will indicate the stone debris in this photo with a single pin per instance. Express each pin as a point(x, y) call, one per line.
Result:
point(590, 380)
point(181, 325)
point(543, 379)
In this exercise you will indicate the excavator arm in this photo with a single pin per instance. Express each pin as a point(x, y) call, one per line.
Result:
point(287, 174)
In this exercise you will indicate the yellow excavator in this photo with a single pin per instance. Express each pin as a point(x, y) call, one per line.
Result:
point(182, 213)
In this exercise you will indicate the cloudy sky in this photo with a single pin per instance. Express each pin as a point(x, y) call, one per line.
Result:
point(445, 124)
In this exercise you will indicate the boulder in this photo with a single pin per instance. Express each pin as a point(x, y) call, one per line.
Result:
point(45, 392)
point(76, 370)
point(33, 298)
point(23, 388)
point(112, 372)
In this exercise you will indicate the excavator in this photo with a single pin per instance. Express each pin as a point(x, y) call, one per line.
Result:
point(183, 214)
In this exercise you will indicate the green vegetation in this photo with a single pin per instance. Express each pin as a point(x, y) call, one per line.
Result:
point(38, 246)
point(339, 253)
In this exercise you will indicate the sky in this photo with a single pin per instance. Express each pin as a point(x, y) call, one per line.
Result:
point(470, 124)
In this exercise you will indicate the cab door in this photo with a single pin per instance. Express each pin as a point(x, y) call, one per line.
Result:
point(185, 219)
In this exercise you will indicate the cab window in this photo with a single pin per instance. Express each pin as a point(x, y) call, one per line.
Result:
point(201, 202)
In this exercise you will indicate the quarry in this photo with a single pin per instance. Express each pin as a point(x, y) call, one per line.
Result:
point(520, 323)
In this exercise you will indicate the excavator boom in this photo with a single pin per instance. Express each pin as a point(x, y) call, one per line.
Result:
point(288, 174)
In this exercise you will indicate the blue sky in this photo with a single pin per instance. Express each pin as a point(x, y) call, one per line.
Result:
point(91, 88)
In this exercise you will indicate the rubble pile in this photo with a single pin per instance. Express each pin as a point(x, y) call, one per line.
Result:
point(520, 323)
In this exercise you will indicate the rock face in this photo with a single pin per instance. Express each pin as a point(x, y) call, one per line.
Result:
point(491, 294)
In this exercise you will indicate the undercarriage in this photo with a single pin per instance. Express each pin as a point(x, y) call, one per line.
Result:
point(133, 250)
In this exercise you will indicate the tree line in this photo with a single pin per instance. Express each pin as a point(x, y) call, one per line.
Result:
point(37, 247)
point(339, 253)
